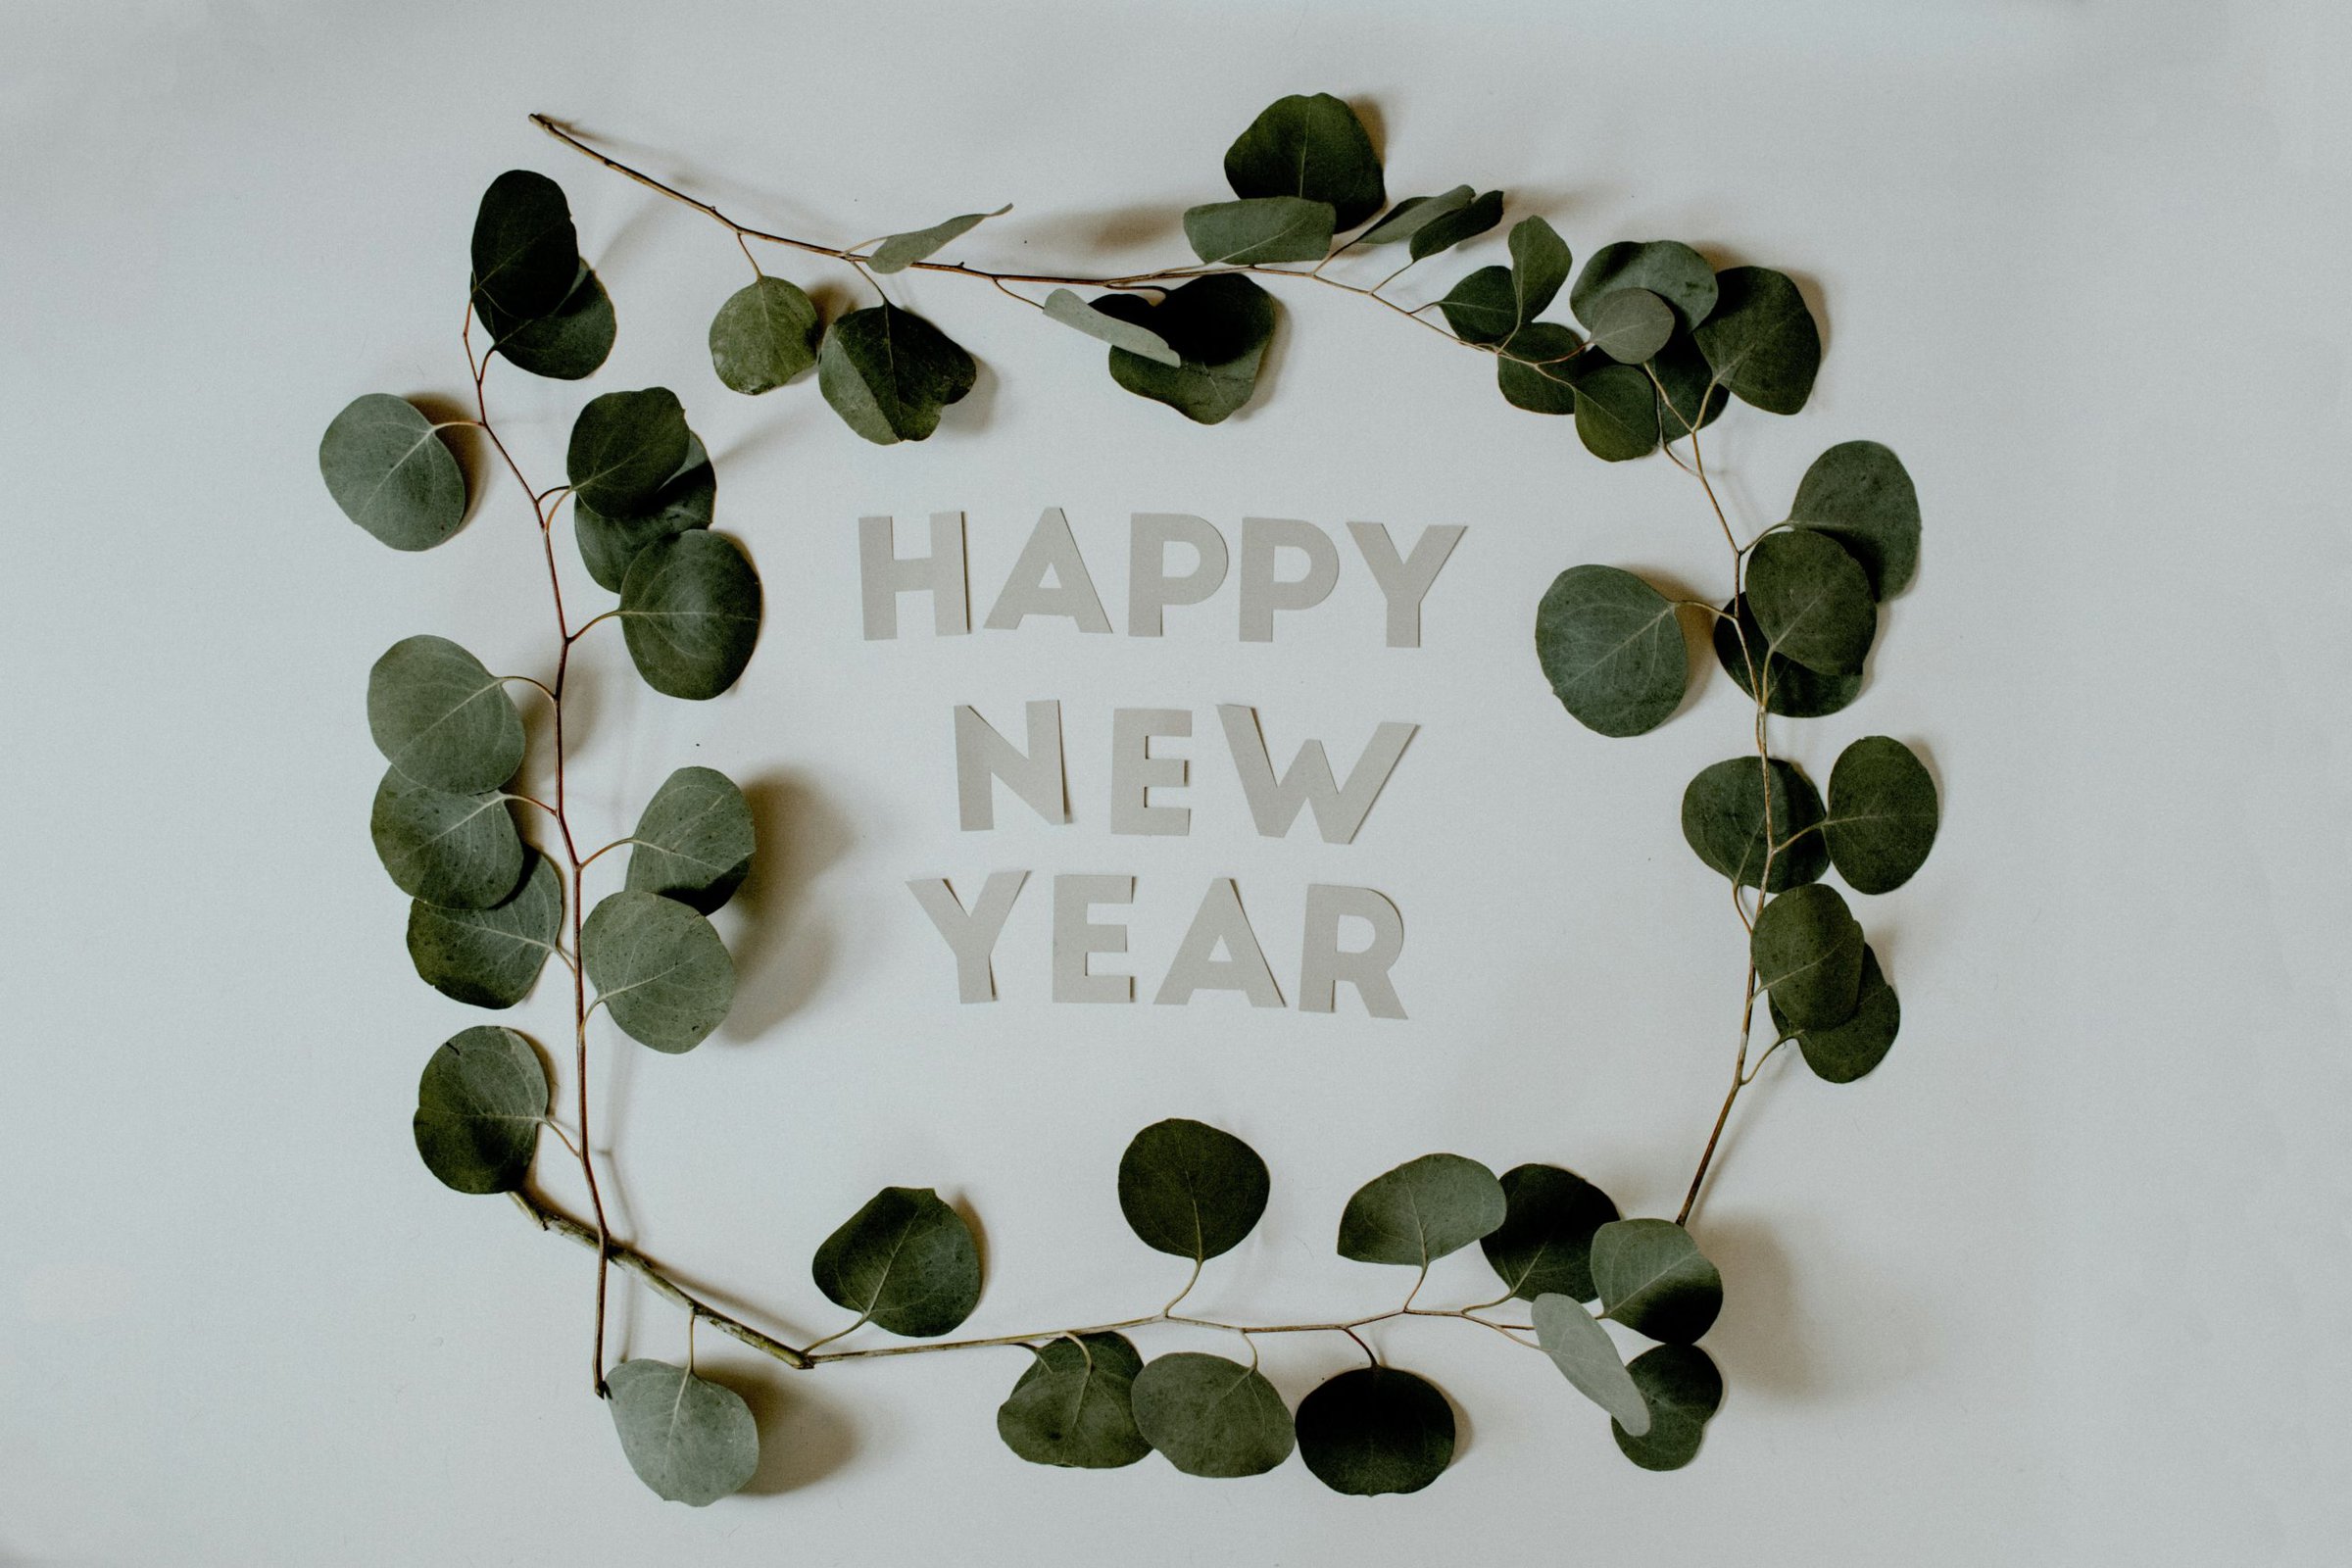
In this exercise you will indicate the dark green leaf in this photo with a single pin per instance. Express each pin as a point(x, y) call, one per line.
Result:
point(1312, 147)
point(1654, 1280)
point(388, 468)
point(658, 968)
point(1668, 269)
point(688, 1437)
point(1761, 339)
point(568, 343)
point(1725, 815)
point(525, 251)
point(1483, 308)
point(1414, 214)
point(1882, 814)
point(1482, 215)
point(690, 612)
point(1842, 1052)
point(1858, 493)
point(1688, 399)
point(625, 448)
point(441, 718)
point(490, 957)
point(1073, 1406)
point(1103, 326)
point(1587, 1358)
point(902, 251)
point(763, 335)
point(1629, 325)
point(1812, 601)
point(478, 1109)
point(1190, 1190)
point(1536, 369)
point(1682, 1389)
point(1420, 1211)
point(695, 840)
point(1807, 948)
point(1262, 228)
point(888, 373)
point(1376, 1430)
point(1539, 263)
point(1219, 327)
point(906, 1262)
point(1612, 649)
point(459, 851)
point(1790, 688)
point(1545, 1243)
point(1616, 412)
point(1211, 1416)
point(685, 500)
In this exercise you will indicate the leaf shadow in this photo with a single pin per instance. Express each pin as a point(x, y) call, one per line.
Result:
point(805, 1434)
point(1761, 1341)
point(784, 941)
point(466, 443)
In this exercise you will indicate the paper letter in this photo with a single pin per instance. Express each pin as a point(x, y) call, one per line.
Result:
point(884, 576)
point(1262, 593)
point(1135, 772)
point(1404, 583)
point(1149, 588)
point(1075, 938)
point(1072, 594)
point(1322, 966)
point(1220, 922)
point(971, 936)
point(1340, 809)
point(982, 755)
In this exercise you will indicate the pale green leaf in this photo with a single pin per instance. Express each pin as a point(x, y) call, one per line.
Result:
point(763, 336)
point(459, 851)
point(690, 612)
point(658, 968)
point(441, 719)
point(1587, 1358)
point(478, 1109)
point(694, 840)
point(1259, 231)
point(902, 251)
point(691, 1439)
point(1069, 309)
point(388, 468)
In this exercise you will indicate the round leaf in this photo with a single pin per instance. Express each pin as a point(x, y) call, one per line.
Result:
point(1674, 272)
point(763, 335)
point(609, 544)
point(1807, 948)
point(390, 472)
point(1587, 1358)
point(1629, 325)
point(1812, 601)
point(1190, 1190)
point(490, 957)
point(1483, 308)
point(1420, 1211)
point(441, 719)
point(1545, 1243)
point(1536, 369)
point(478, 1109)
point(658, 968)
point(1262, 228)
point(1790, 688)
point(690, 612)
point(1376, 1430)
point(1444, 233)
point(1073, 1406)
point(1859, 493)
point(1219, 327)
point(1688, 399)
point(525, 251)
point(688, 1437)
point(1654, 1280)
point(1211, 1417)
point(1882, 814)
point(1682, 1390)
point(1724, 821)
point(1312, 147)
point(568, 343)
point(902, 251)
point(1070, 310)
point(1612, 649)
point(888, 373)
point(1761, 340)
point(695, 840)
point(458, 851)
point(1539, 263)
point(906, 1262)
point(1616, 412)
point(1840, 1053)
point(625, 448)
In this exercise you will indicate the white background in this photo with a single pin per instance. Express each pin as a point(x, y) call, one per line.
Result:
point(2066, 1281)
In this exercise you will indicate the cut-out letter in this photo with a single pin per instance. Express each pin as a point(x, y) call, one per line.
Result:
point(1262, 593)
point(1323, 964)
point(1076, 938)
point(1220, 923)
point(1340, 809)
point(971, 936)
point(1149, 588)
point(884, 575)
point(1051, 549)
point(1404, 582)
point(1036, 777)
point(1135, 772)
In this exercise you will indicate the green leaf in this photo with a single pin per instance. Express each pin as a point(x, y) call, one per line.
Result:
point(1654, 1280)
point(568, 343)
point(1483, 308)
point(1545, 1243)
point(1812, 601)
point(1807, 948)
point(1859, 494)
point(478, 1109)
point(1882, 814)
point(1211, 1417)
point(1688, 399)
point(1790, 688)
point(1844, 1052)
point(1451, 231)
point(888, 373)
point(1420, 1211)
point(441, 718)
point(1761, 340)
point(1261, 228)
point(1219, 327)
point(1616, 412)
point(1312, 147)
point(1629, 325)
point(1724, 818)
point(690, 612)
point(695, 840)
point(1376, 1430)
point(1587, 1358)
point(525, 251)
point(388, 468)
point(689, 1438)
point(1073, 1406)
point(1539, 263)
point(458, 851)
point(1414, 214)
point(1536, 369)
point(609, 544)
point(658, 968)
point(1190, 1190)
point(1668, 269)
point(763, 336)
point(906, 1262)
point(902, 251)
point(1070, 310)
point(1612, 649)
point(1682, 1390)
point(625, 448)
point(490, 957)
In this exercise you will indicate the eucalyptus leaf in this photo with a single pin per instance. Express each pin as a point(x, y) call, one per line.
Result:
point(1483, 307)
point(902, 251)
point(1729, 820)
point(478, 1109)
point(1219, 327)
point(763, 335)
point(1540, 264)
point(1654, 1280)
point(1309, 146)
point(1807, 948)
point(1840, 1053)
point(1260, 229)
point(625, 448)
point(1790, 688)
point(1761, 340)
point(1682, 1390)
point(658, 968)
point(1612, 648)
point(525, 250)
point(690, 612)
point(1882, 814)
point(1421, 1210)
point(1668, 269)
point(888, 373)
point(1859, 493)
point(1587, 1358)
point(686, 500)
point(1208, 1416)
point(1688, 399)
point(1536, 369)
point(1545, 1243)
point(1191, 1190)
point(1414, 214)
point(1616, 412)
point(566, 344)
point(694, 840)
point(1629, 325)
point(906, 1262)
point(443, 720)
point(1376, 1430)
point(458, 851)
point(490, 957)
point(388, 468)
point(1069, 309)
point(1812, 601)
point(1073, 1406)
point(691, 1439)
point(1483, 214)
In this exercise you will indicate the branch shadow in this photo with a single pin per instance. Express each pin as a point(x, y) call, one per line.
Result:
point(784, 942)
